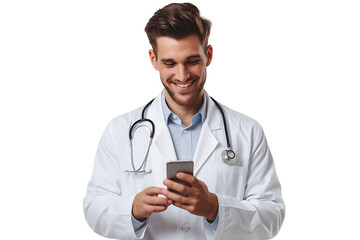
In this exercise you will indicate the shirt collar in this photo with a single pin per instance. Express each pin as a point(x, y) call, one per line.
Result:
point(168, 113)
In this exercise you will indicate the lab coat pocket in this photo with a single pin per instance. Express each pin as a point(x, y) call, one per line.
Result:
point(228, 180)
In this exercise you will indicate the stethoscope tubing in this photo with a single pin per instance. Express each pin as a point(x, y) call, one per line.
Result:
point(228, 155)
point(152, 131)
point(224, 121)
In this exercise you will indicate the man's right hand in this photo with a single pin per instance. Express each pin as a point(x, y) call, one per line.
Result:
point(147, 202)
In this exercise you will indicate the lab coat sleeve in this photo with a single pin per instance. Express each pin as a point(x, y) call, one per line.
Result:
point(261, 213)
point(106, 210)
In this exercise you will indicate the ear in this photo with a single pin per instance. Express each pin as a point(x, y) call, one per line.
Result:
point(209, 55)
point(153, 59)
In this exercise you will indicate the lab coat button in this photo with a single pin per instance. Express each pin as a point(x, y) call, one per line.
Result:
point(185, 228)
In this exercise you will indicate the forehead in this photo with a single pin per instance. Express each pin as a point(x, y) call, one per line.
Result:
point(168, 47)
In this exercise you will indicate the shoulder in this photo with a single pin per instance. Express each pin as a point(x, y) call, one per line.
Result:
point(240, 119)
point(126, 119)
point(245, 127)
point(237, 122)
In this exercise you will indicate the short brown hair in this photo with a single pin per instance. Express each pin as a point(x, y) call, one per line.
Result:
point(178, 20)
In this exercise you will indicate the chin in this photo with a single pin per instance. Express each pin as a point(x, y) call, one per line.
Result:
point(186, 100)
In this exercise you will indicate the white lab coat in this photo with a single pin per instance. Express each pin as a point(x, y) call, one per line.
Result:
point(249, 193)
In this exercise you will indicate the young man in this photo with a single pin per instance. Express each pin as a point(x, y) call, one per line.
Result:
point(228, 198)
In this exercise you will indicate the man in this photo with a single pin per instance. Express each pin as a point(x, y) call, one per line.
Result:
point(225, 200)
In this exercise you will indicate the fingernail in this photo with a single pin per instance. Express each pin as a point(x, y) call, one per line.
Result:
point(179, 175)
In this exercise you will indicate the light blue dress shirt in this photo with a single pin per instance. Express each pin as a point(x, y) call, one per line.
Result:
point(184, 138)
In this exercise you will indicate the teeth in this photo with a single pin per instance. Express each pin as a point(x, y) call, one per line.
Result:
point(185, 85)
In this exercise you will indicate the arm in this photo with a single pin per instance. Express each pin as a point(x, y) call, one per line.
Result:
point(261, 213)
point(107, 211)
point(258, 216)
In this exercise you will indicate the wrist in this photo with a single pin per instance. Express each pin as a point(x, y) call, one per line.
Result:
point(137, 215)
point(214, 210)
point(139, 219)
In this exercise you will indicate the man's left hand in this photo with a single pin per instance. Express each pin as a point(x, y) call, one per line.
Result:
point(197, 200)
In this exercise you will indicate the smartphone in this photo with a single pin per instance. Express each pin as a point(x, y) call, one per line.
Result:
point(172, 168)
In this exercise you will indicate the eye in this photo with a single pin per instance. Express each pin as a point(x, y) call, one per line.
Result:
point(194, 62)
point(169, 65)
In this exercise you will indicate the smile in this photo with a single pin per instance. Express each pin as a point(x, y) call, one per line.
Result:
point(184, 85)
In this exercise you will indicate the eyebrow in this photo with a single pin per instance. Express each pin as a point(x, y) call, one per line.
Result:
point(164, 60)
point(193, 56)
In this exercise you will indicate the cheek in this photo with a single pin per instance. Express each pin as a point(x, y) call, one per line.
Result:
point(166, 73)
point(198, 70)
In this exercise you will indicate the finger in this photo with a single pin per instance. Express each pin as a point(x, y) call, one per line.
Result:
point(153, 209)
point(154, 200)
point(181, 188)
point(152, 191)
point(149, 209)
point(193, 181)
point(176, 197)
point(187, 207)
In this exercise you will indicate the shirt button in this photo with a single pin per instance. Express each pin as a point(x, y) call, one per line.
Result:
point(185, 131)
point(185, 228)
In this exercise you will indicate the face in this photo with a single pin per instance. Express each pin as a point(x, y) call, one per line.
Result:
point(182, 66)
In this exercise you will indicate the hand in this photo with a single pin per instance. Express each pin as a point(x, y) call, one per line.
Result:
point(147, 202)
point(198, 199)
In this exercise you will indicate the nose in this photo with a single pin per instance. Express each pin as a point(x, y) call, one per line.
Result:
point(182, 74)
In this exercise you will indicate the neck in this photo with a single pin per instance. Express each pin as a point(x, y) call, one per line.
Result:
point(184, 112)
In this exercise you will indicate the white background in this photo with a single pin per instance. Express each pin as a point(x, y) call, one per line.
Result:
point(68, 67)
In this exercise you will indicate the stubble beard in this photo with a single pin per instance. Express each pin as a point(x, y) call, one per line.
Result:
point(190, 101)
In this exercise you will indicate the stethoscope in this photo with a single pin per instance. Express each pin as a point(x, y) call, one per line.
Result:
point(228, 155)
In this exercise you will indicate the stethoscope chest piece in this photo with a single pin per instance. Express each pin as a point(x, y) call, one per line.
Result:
point(228, 156)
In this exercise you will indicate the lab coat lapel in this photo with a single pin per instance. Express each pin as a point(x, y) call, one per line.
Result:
point(207, 140)
point(162, 138)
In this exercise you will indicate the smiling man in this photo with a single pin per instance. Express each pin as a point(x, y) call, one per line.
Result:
point(233, 193)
